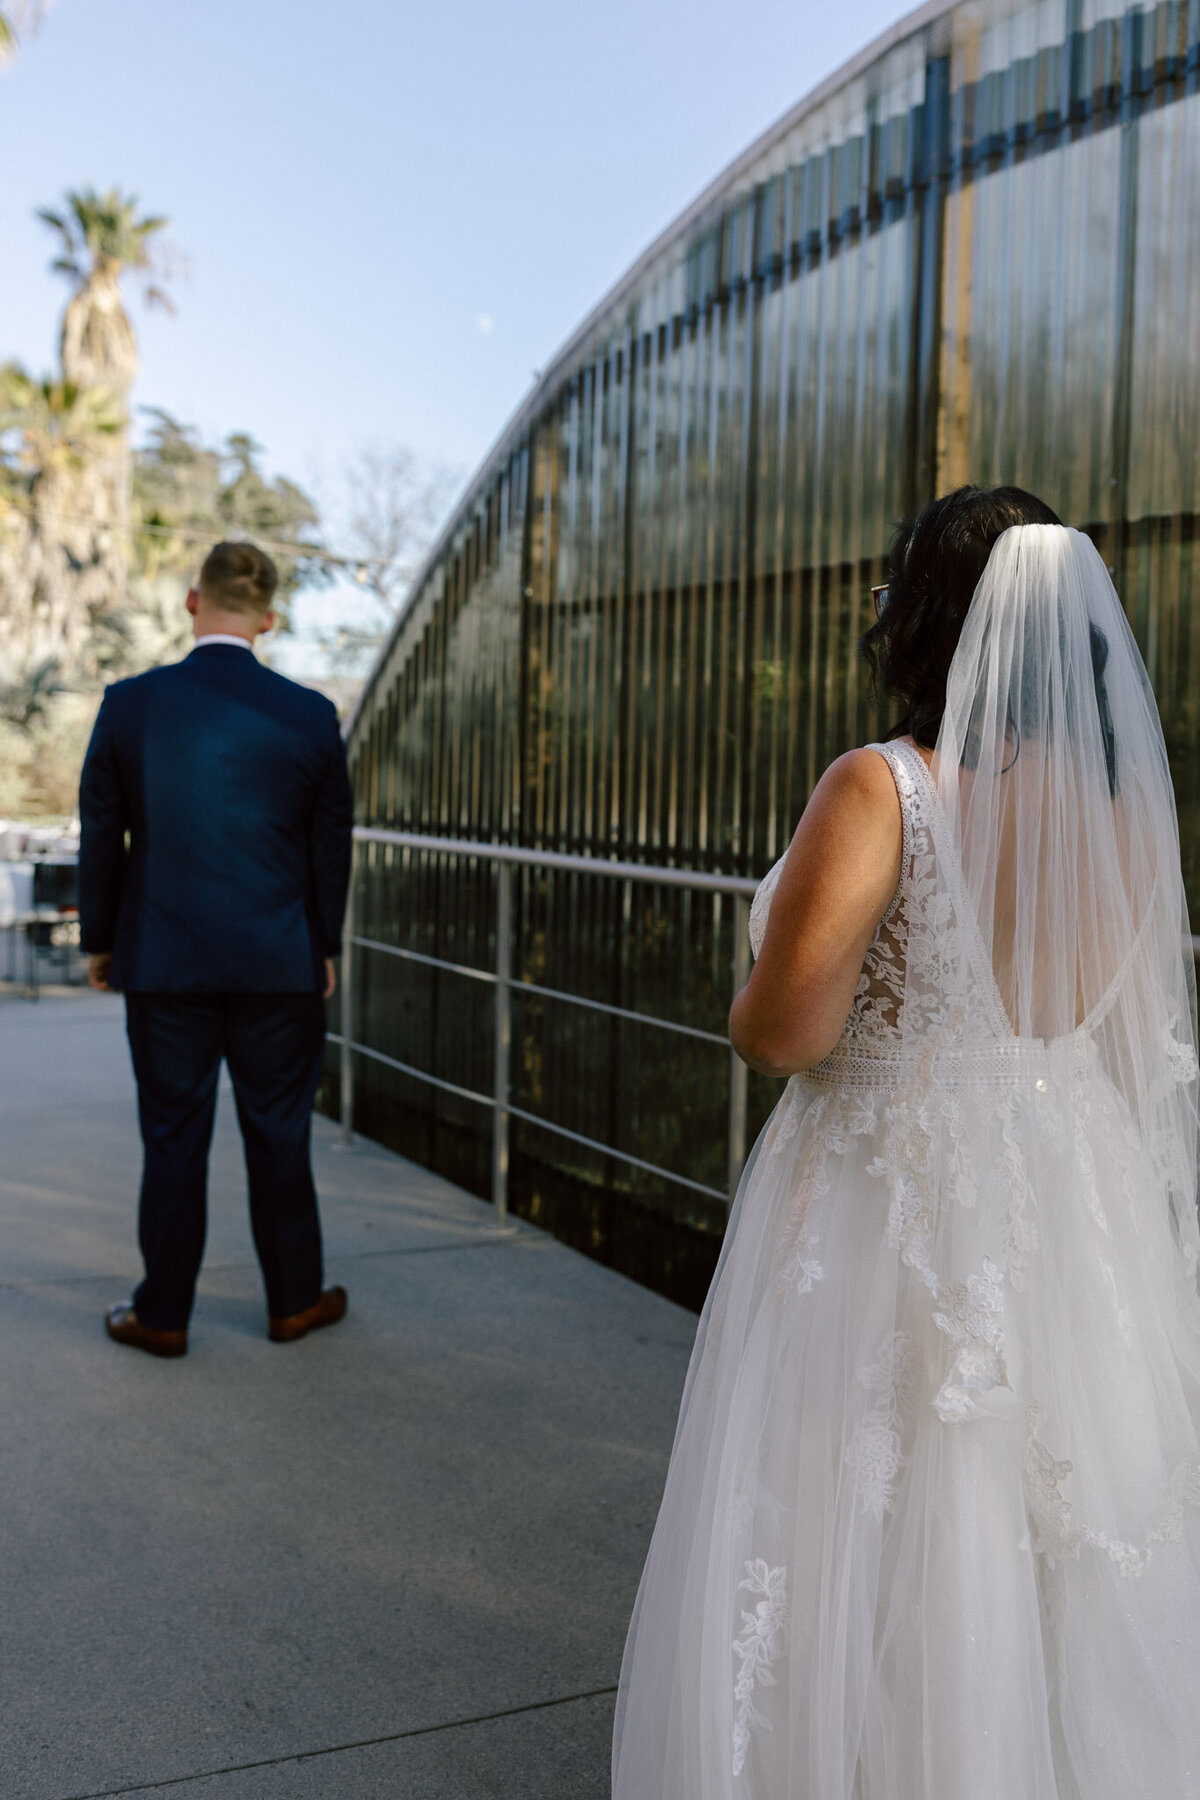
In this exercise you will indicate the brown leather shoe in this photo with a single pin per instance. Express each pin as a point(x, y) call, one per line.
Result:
point(327, 1310)
point(124, 1327)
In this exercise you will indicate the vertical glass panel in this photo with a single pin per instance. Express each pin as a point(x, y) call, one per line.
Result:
point(1164, 463)
point(1031, 327)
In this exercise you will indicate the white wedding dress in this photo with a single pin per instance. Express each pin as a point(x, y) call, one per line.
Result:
point(931, 1529)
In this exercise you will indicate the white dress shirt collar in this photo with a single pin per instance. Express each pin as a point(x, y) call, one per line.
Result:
point(223, 637)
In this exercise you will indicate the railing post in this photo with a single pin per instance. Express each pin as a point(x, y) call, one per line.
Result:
point(347, 1059)
point(738, 1072)
point(503, 1041)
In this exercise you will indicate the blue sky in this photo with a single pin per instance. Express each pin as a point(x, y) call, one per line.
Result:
point(394, 213)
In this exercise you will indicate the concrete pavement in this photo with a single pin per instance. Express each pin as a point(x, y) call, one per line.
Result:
point(392, 1562)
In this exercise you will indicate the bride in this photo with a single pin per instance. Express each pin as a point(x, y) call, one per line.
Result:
point(931, 1529)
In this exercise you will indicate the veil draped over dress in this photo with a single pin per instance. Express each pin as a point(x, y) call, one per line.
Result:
point(931, 1528)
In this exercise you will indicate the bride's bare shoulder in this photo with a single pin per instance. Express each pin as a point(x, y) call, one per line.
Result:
point(860, 777)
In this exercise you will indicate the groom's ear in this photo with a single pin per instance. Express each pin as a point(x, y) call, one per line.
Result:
point(192, 601)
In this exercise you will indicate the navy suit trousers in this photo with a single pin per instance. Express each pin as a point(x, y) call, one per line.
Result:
point(273, 1046)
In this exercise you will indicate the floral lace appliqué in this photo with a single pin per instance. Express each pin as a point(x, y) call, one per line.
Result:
point(759, 1645)
point(799, 1268)
point(904, 1165)
point(1059, 1536)
point(972, 1315)
point(1020, 1233)
point(786, 1122)
point(1181, 1058)
point(875, 1455)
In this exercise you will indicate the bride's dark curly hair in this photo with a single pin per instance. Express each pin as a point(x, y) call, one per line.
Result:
point(934, 566)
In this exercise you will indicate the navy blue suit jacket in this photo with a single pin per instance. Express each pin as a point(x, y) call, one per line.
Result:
point(230, 784)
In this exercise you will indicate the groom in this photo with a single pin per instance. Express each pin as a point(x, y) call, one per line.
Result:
point(214, 860)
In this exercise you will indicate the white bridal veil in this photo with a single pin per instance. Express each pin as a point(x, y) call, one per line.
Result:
point(1043, 1143)
point(1053, 777)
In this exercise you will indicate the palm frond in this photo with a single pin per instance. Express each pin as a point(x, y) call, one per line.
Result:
point(53, 219)
point(17, 18)
point(102, 234)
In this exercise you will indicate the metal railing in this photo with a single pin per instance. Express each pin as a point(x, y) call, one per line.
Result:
point(507, 858)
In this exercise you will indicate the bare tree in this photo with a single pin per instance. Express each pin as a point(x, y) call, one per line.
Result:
point(393, 503)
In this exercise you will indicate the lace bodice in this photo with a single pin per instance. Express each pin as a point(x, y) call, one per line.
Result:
point(873, 1026)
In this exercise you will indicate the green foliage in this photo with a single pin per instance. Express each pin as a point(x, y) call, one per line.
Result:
point(188, 495)
point(48, 424)
point(28, 701)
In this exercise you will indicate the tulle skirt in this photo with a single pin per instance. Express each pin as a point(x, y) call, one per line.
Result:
point(931, 1529)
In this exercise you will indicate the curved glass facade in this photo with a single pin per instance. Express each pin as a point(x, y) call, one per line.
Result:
point(972, 255)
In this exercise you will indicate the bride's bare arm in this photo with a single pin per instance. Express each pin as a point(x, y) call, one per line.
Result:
point(842, 869)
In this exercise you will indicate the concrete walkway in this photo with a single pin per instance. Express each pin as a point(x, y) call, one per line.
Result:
point(392, 1562)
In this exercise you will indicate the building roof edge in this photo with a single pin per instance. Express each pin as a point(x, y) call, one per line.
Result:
point(729, 177)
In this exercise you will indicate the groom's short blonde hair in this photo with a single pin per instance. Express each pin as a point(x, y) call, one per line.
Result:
point(239, 578)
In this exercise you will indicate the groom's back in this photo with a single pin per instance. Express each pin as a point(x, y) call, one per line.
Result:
point(223, 764)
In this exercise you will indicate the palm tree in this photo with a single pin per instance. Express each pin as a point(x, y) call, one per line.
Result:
point(83, 516)
point(60, 564)
point(100, 238)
